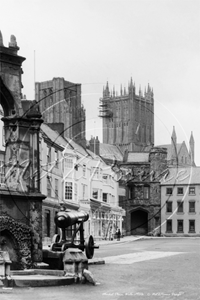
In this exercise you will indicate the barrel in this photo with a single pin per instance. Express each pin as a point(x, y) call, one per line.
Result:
point(64, 219)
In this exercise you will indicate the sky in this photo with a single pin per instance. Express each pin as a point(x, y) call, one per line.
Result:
point(95, 41)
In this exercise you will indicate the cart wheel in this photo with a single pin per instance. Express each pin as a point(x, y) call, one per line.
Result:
point(64, 247)
point(56, 238)
point(89, 247)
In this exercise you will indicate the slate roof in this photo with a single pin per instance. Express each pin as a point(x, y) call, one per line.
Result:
point(93, 155)
point(111, 152)
point(78, 147)
point(169, 149)
point(180, 176)
point(138, 157)
point(56, 138)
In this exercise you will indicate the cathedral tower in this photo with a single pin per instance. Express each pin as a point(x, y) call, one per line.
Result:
point(128, 119)
point(60, 102)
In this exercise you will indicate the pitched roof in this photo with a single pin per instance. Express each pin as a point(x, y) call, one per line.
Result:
point(77, 147)
point(56, 138)
point(94, 156)
point(111, 152)
point(169, 149)
point(138, 157)
point(184, 175)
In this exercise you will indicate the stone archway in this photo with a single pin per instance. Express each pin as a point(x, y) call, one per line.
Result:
point(8, 243)
point(15, 238)
point(139, 222)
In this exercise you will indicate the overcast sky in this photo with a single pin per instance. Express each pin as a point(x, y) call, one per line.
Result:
point(91, 42)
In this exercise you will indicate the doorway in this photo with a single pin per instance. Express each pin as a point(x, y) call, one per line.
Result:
point(139, 222)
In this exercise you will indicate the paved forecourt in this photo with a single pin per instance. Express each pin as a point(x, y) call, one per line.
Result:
point(138, 257)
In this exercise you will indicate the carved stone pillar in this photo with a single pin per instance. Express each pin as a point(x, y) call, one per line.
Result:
point(20, 199)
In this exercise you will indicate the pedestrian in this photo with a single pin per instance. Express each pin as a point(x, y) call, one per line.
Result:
point(110, 234)
point(118, 234)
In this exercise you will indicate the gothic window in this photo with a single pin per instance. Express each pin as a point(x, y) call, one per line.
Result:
point(138, 191)
point(139, 133)
point(149, 133)
point(144, 134)
point(50, 97)
point(44, 99)
point(131, 192)
point(146, 192)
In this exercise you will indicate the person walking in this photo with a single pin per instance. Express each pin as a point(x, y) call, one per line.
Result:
point(118, 234)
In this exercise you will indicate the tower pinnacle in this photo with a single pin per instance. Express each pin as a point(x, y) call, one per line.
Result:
point(1, 39)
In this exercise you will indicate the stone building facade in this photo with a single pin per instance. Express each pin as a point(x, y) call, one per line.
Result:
point(140, 194)
point(20, 197)
point(128, 118)
point(60, 102)
point(80, 180)
point(180, 203)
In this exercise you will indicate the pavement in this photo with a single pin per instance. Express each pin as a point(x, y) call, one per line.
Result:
point(42, 276)
point(124, 239)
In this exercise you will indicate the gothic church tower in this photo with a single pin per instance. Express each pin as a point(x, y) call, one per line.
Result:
point(60, 103)
point(128, 119)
